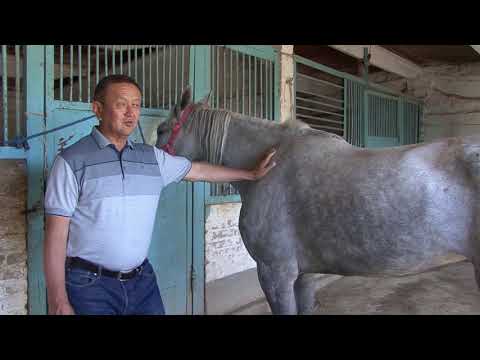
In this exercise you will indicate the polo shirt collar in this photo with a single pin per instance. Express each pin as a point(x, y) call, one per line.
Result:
point(102, 141)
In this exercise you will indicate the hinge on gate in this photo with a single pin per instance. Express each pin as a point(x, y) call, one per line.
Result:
point(193, 274)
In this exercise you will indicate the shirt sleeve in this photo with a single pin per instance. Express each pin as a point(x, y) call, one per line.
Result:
point(172, 168)
point(61, 196)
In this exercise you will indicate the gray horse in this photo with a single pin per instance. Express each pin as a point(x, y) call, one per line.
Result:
point(332, 208)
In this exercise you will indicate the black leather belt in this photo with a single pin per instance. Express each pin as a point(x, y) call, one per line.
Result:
point(80, 263)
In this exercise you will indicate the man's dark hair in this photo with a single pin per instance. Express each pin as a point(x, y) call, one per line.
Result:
point(101, 88)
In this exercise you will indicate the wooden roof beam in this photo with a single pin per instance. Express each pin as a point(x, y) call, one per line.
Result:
point(383, 59)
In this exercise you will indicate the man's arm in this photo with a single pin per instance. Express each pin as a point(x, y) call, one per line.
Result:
point(56, 234)
point(213, 173)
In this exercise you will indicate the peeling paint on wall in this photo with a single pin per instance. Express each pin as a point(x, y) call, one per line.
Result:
point(225, 253)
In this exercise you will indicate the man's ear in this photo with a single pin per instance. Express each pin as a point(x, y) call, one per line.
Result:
point(97, 108)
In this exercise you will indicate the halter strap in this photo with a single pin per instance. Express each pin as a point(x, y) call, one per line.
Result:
point(168, 147)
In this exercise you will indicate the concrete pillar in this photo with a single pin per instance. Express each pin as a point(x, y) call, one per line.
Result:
point(287, 96)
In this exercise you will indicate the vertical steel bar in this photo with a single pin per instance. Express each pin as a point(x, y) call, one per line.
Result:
point(114, 71)
point(88, 73)
point(211, 65)
point(176, 73)
point(129, 60)
point(357, 115)
point(71, 72)
point(150, 86)
point(267, 92)
point(249, 84)
point(218, 76)
point(354, 110)
point(135, 48)
point(243, 83)
point(261, 89)
point(144, 97)
point(5, 92)
point(163, 76)
point(79, 72)
point(105, 60)
point(61, 72)
point(170, 76)
point(17, 89)
point(97, 61)
point(121, 59)
point(212, 75)
point(224, 78)
point(182, 85)
point(255, 87)
point(237, 83)
point(271, 90)
point(158, 77)
point(351, 108)
point(231, 78)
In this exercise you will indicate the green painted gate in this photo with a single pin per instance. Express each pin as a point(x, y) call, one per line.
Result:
point(58, 89)
point(364, 113)
point(172, 251)
point(382, 120)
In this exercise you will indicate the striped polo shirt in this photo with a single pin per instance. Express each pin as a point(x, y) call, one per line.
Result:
point(111, 197)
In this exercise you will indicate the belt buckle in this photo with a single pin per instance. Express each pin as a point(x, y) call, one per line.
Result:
point(119, 276)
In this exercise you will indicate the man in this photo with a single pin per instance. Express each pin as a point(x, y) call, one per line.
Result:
point(100, 205)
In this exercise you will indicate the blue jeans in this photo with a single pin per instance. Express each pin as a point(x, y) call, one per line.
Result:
point(93, 294)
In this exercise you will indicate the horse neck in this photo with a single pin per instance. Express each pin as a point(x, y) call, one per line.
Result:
point(249, 139)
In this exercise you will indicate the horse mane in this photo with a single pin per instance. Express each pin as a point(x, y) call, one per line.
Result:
point(211, 126)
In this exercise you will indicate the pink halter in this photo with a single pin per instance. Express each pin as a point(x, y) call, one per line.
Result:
point(168, 147)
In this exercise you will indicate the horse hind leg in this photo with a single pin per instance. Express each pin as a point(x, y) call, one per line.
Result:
point(277, 282)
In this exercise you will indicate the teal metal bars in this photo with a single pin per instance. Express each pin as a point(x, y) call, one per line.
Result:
point(163, 76)
point(176, 72)
point(129, 60)
point(237, 89)
point(150, 58)
point(143, 76)
point(97, 61)
point(158, 75)
point(114, 71)
point(80, 72)
point(71, 73)
point(169, 76)
point(105, 56)
point(121, 59)
point(12, 113)
point(17, 89)
point(61, 72)
point(88, 73)
point(241, 82)
point(5, 92)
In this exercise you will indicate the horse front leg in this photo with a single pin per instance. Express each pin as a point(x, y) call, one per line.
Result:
point(277, 282)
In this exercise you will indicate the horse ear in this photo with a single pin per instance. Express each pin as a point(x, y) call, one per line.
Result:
point(186, 97)
point(174, 114)
point(205, 100)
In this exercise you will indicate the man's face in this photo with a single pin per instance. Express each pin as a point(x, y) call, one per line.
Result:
point(120, 109)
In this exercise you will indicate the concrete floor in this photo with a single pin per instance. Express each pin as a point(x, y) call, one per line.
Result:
point(450, 289)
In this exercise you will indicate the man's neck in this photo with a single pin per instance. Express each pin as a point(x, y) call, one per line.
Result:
point(118, 142)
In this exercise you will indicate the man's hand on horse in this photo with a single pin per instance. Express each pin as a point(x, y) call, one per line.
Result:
point(264, 166)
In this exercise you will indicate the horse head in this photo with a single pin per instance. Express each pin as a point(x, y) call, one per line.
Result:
point(172, 134)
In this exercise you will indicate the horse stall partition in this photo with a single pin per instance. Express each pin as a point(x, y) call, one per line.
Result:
point(365, 114)
point(12, 103)
point(243, 80)
point(59, 87)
